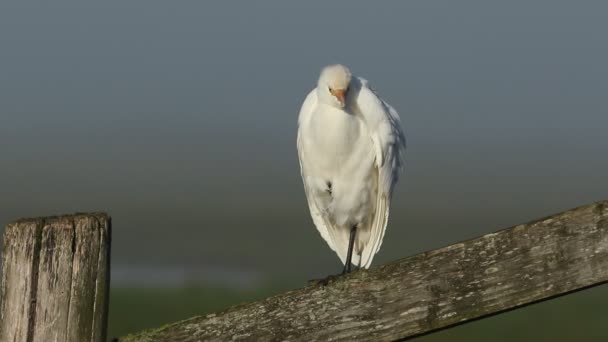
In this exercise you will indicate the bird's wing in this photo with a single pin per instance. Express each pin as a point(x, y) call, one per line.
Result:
point(387, 136)
point(318, 219)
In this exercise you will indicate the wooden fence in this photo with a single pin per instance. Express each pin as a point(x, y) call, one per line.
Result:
point(417, 295)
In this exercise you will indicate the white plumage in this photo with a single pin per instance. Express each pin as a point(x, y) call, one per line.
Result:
point(350, 145)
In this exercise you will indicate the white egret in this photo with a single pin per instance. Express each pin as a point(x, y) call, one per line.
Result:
point(350, 145)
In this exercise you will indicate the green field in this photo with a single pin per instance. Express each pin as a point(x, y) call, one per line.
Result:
point(136, 309)
point(581, 316)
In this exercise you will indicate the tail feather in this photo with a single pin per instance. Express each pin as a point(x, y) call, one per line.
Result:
point(377, 232)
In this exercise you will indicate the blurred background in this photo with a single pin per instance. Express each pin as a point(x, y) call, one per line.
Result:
point(179, 119)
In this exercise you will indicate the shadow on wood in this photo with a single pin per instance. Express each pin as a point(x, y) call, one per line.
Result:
point(417, 295)
point(55, 279)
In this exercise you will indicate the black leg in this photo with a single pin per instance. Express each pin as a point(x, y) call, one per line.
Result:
point(347, 265)
point(349, 255)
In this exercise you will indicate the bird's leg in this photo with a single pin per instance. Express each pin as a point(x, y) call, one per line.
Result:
point(347, 264)
point(349, 254)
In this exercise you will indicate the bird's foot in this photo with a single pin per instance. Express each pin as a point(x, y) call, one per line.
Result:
point(333, 277)
point(324, 281)
point(346, 269)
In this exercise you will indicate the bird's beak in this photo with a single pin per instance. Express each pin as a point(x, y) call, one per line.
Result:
point(340, 94)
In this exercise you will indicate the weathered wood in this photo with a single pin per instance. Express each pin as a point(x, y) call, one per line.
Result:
point(426, 292)
point(55, 281)
point(19, 278)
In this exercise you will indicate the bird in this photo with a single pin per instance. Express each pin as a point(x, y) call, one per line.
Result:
point(351, 152)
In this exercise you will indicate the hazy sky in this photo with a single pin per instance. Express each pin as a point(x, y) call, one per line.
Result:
point(179, 118)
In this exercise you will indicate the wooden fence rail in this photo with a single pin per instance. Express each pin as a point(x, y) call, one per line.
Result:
point(423, 293)
point(55, 279)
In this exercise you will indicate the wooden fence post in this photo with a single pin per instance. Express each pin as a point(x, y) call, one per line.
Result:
point(55, 279)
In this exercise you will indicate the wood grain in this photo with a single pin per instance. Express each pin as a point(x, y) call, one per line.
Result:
point(501, 271)
point(56, 279)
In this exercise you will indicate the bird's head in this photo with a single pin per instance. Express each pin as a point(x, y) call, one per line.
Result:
point(333, 85)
